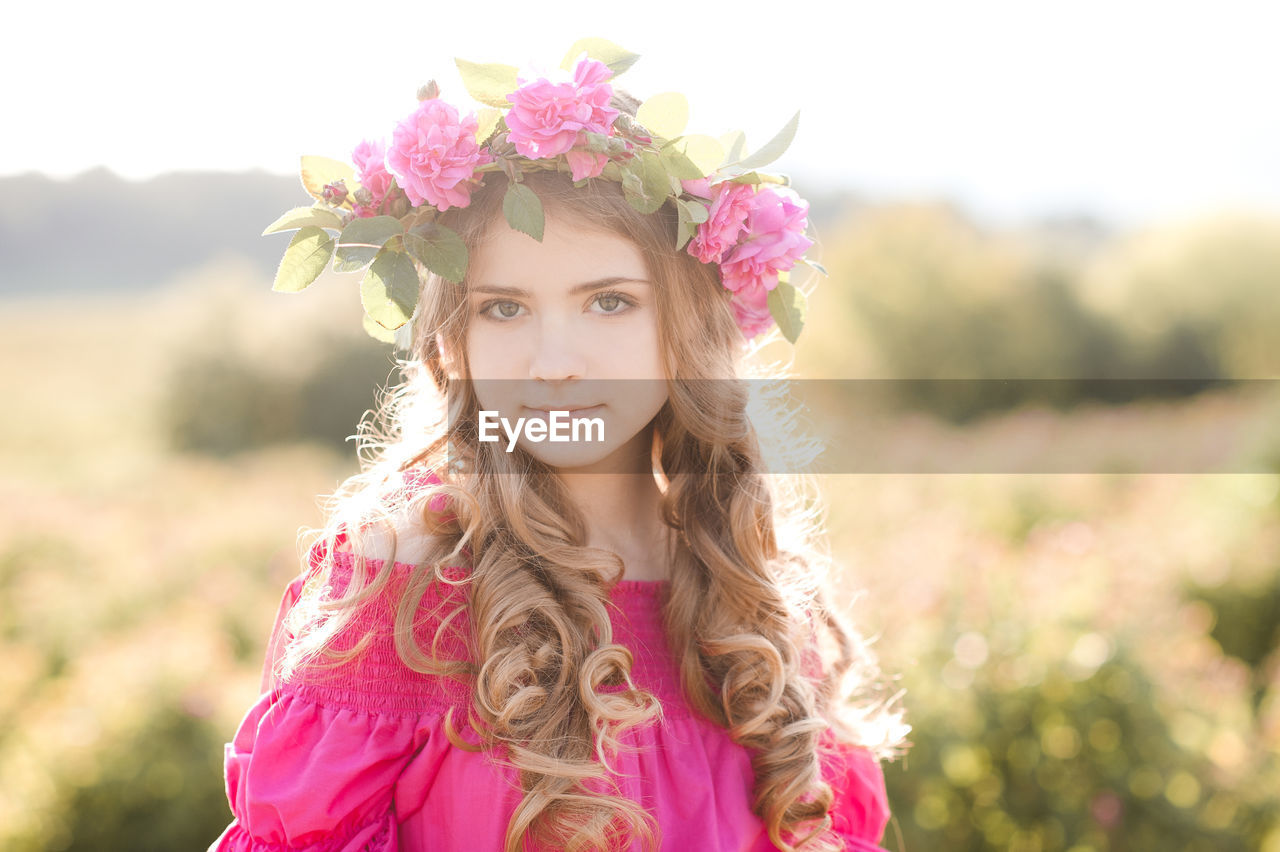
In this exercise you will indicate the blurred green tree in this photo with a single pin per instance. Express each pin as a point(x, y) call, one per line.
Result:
point(1023, 754)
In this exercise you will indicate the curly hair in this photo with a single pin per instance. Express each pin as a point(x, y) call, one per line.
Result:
point(551, 692)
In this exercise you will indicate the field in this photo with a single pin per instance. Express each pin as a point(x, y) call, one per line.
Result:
point(1075, 649)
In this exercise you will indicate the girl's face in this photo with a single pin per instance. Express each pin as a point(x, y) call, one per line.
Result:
point(567, 323)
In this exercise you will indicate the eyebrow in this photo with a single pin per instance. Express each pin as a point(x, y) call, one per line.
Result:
point(578, 288)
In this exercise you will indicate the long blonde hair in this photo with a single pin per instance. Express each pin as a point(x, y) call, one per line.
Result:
point(746, 575)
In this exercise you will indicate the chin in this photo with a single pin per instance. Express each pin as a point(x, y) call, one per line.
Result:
point(570, 458)
point(629, 456)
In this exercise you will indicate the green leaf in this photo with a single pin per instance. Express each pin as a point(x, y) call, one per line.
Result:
point(597, 142)
point(788, 306)
point(659, 183)
point(756, 178)
point(631, 183)
point(354, 258)
point(377, 332)
point(605, 51)
point(486, 121)
point(678, 164)
point(389, 290)
point(523, 210)
point(305, 258)
point(370, 230)
point(298, 217)
point(650, 184)
point(734, 145)
point(686, 227)
point(489, 83)
point(696, 211)
point(318, 171)
point(361, 240)
point(438, 249)
point(664, 114)
point(684, 232)
point(692, 214)
point(774, 148)
point(705, 152)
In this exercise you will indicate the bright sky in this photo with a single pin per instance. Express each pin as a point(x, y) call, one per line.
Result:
point(1133, 110)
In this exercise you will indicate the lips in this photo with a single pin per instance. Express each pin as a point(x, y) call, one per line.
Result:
point(574, 411)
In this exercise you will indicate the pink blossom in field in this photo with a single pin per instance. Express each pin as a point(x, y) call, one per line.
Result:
point(547, 119)
point(731, 204)
point(370, 158)
point(774, 240)
point(434, 154)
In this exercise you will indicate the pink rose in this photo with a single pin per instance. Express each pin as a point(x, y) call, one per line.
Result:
point(751, 309)
point(435, 155)
point(737, 278)
point(371, 170)
point(774, 241)
point(547, 119)
point(731, 203)
point(753, 235)
point(585, 164)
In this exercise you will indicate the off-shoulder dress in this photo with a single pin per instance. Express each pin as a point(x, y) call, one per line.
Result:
point(358, 759)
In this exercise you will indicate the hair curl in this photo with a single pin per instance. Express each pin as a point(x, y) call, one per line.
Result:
point(748, 566)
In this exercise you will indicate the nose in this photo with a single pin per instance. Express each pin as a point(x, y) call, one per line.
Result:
point(557, 355)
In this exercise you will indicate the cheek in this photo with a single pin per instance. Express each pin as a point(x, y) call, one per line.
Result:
point(488, 355)
point(638, 351)
point(498, 359)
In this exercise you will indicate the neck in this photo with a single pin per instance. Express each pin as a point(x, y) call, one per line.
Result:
point(622, 510)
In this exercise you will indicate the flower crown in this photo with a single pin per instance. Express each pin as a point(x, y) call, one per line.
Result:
point(383, 212)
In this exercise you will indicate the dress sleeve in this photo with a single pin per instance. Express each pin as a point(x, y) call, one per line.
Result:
point(314, 764)
point(860, 810)
point(305, 776)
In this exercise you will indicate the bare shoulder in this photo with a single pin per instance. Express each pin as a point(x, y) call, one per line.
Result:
point(401, 537)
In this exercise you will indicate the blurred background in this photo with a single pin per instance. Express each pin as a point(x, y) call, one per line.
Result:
point(1090, 659)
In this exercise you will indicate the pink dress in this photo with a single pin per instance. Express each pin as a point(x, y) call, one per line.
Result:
point(359, 760)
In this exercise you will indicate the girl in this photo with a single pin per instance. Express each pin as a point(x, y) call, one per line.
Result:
point(605, 642)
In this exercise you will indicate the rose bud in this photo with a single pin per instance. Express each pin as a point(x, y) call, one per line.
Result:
point(429, 91)
point(335, 193)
